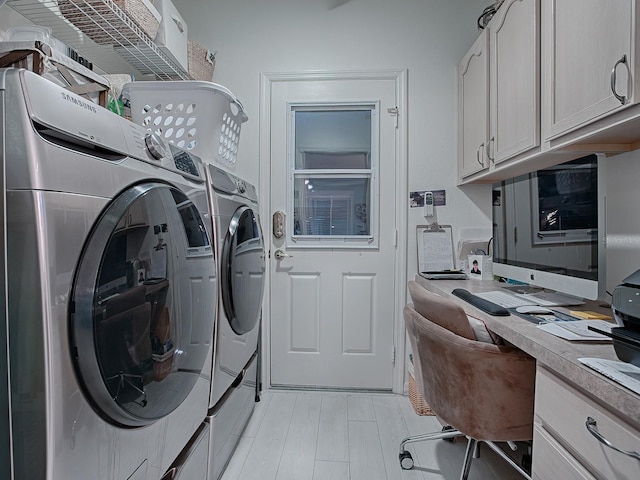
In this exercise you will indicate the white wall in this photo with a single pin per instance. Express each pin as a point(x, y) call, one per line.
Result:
point(10, 18)
point(623, 217)
point(426, 37)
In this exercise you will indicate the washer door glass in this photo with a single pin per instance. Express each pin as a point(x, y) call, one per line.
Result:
point(243, 266)
point(143, 315)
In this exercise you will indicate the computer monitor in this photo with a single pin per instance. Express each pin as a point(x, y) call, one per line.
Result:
point(549, 228)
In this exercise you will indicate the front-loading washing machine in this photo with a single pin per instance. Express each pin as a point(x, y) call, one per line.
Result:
point(241, 255)
point(110, 280)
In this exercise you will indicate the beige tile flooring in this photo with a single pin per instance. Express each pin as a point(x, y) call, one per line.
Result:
point(309, 435)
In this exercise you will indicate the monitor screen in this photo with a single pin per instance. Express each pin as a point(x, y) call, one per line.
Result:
point(548, 228)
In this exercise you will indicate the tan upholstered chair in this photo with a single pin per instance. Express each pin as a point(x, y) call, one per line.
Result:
point(482, 390)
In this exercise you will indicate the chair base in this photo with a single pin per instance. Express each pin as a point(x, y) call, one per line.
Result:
point(406, 460)
point(407, 463)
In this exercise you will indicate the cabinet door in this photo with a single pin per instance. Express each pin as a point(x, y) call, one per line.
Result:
point(584, 42)
point(515, 85)
point(551, 461)
point(562, 412)
point(473, 108)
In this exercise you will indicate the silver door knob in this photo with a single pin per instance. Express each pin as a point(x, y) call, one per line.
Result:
point(279, 254)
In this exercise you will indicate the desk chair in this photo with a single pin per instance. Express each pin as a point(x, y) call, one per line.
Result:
point(124, 346)
point(482, 390)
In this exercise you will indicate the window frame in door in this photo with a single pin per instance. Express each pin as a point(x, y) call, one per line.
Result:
point(370, 241)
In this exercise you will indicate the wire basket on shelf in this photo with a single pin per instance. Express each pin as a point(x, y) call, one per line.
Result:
point(97, 18)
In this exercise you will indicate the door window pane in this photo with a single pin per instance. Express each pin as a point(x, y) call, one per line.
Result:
point(333, 174)
point(334, 139)
point(331, 206)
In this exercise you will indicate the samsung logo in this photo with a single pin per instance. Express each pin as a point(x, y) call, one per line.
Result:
point(81, 103)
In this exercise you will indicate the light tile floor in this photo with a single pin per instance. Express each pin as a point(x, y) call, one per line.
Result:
point(302, 435)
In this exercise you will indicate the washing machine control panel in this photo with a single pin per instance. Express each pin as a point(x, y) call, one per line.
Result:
point(240, 185)
point(184, 161)
point(156, 146)
point(170, 156)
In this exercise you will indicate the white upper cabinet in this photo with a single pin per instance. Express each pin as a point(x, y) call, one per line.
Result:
point(588, 61)
point(499, 93)
point(473, 108)
point(514, 72)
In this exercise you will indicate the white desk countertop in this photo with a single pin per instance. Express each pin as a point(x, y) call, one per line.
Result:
point(558, 355)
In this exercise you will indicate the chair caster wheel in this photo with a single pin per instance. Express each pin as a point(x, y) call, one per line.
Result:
point(406, 460)
point(446, 428)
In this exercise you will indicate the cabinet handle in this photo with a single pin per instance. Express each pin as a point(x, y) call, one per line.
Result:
point(621, 98)
point(480, 148)
point(491, 140)
point(593, 430)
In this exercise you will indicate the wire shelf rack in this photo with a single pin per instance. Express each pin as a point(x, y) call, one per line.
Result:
point(127, 39)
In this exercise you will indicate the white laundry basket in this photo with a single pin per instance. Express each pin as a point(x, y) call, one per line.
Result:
point(201, 117)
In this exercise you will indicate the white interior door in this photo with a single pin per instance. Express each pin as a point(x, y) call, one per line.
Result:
point(332, 273)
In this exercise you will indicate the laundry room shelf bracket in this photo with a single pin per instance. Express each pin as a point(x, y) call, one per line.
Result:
point(126, 38)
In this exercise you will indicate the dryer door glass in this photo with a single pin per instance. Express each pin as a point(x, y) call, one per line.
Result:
point(143, 320)
point(243, 266)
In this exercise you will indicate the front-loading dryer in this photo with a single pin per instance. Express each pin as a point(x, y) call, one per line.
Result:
point(241, 254)
point(110, 281)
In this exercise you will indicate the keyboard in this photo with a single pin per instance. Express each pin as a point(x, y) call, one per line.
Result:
point(543, 299)
point(549, 299)
point(505, 299)
point(483, 304)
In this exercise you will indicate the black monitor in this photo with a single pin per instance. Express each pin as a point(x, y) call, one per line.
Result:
point(548, 228)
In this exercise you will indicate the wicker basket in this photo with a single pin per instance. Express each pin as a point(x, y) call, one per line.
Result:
point(99, 21)
point(417, 402)
point(202, 62)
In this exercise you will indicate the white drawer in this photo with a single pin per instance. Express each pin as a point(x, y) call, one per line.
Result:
point(552, 462)
point(562, 411)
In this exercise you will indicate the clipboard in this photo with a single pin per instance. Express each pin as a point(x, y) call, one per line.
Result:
point(435, 248)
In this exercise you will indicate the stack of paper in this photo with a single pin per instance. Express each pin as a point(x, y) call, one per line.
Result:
point(626, 374)
point(589, 315)
point(578, 331)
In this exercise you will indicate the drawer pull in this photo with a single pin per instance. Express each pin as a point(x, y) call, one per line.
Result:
point(593, 430)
